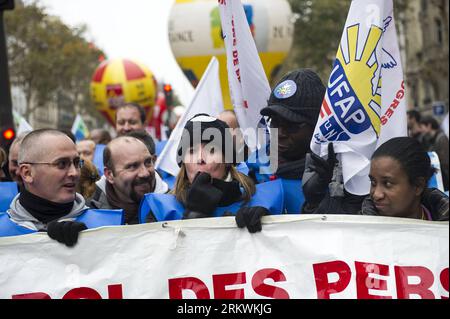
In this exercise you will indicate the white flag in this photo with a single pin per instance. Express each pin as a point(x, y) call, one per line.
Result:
point(365, 104)
point(249, 87)
point(207, 99)
point(21, 124)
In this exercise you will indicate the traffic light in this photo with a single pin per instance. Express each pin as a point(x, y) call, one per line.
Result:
point(7, 133)
point(168, 93)
point(6, 4)
point(7, 136)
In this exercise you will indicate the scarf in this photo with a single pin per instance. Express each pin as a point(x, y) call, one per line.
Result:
point(291, 170)
point(130, 208)
point(43, 210)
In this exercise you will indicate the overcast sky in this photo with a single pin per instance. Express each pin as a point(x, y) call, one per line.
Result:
point(134, 29)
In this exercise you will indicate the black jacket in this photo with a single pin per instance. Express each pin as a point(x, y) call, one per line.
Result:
point(349, 204)
point(433, 199)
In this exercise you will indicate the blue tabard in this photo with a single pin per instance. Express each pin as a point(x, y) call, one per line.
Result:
point(93, 218)
point(10, 228)
point(8, 190)
point(98, 158)
point(293, 195)
point(165, 206)
point(242, 168)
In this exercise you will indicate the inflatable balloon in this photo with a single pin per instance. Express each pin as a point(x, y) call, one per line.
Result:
point(118, 81)
point(195, 36)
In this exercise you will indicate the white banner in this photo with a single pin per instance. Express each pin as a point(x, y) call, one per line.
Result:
point(293, 257)
point(365, 104)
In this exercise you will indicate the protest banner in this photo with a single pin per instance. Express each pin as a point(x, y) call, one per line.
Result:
point(314, 256)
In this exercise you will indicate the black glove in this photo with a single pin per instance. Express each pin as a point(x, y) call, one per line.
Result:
point(202, 197)
point(65, 232)
point(318, 174)
point(251, 217)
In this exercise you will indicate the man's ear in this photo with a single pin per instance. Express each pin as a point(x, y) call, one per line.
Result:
point(109, 174)
point(26, 173)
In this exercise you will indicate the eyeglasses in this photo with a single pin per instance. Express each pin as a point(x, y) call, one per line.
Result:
point(62, 163)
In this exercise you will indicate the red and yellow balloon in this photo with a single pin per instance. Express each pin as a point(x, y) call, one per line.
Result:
point(122, 81)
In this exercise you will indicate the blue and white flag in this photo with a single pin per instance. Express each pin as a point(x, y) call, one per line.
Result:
point(365, 103)
point(249, 87)
point(79, 128)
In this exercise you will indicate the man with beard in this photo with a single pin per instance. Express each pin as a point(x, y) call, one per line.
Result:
point(129, 174)
point(293, 109)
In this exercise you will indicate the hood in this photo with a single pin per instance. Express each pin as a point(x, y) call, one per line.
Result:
point(20, 215)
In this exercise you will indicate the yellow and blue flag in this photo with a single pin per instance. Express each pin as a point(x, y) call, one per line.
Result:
point(365, 103)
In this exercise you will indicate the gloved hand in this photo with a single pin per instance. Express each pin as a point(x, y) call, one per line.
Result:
point(251, 217)
point(202, 197)
point(65, 232)
point(318, 174)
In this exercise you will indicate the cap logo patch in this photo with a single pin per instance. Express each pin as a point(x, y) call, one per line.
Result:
point(285, 89)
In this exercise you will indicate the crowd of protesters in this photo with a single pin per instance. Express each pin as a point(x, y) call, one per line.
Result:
point(59, 187)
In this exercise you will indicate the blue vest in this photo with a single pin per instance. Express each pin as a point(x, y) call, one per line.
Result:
point(93, 218)
point(10, 228)
point(98, 158)
point(8, 190)
point(166, 207)
point(242, 168)
point(259, 164)
point(293, 195)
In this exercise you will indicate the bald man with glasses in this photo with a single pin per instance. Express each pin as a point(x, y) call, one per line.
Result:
point(49, 166)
